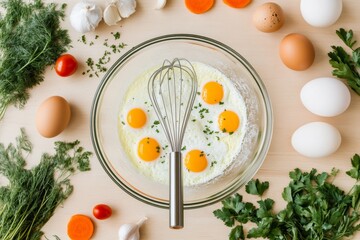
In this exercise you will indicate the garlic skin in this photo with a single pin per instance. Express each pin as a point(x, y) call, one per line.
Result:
point(111, 14)
point(85, 16)
point(160, 4)
point(130, 231)
point(126, 7)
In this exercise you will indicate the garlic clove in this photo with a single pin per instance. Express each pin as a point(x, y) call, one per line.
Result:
point(111, 15)
point(130, 231)
point(85, 16)
point(160, 4)
point(126, 7)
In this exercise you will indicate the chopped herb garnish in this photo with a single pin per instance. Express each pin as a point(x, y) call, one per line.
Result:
point(183, 148)
point(101, 65)
point(213, 163)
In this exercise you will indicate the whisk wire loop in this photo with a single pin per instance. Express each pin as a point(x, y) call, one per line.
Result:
point(171, 101)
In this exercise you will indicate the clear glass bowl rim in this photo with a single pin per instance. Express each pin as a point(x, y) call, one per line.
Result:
point(268, 129)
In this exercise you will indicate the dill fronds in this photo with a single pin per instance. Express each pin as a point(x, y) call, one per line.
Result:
point(31, 196)
point(31, 39)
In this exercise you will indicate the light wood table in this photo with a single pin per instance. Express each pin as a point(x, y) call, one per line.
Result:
point(233, 27)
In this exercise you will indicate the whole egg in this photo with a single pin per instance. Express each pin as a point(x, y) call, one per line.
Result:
point(326, 96)
point(321, 13)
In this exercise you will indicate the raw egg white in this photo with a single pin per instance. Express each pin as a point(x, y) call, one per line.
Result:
point(213, 137)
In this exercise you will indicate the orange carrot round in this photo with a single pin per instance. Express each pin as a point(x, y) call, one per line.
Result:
point(199, 6)
point(80, 227)
point(237, 3)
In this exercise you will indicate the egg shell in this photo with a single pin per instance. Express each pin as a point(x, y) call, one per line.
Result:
point(268, 17)
point(316, 139)
point(297, 52)
point(326, 97)
point(53, 116)
point(321, 13)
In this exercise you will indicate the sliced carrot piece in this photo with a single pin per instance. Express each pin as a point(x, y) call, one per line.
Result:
point(237, 3)
point(199, 6)
point(80, 227)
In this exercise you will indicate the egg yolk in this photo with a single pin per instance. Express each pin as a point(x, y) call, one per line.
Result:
point(212, 92)
point(148, 149)
point(136, 118)
point(195, 161)
point(228, 121)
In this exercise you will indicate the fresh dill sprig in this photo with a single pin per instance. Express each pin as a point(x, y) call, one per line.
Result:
point(31, 196)
point(31, 39)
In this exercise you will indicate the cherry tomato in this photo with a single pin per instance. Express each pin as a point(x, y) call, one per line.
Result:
point(66, 65)
point(102, 211)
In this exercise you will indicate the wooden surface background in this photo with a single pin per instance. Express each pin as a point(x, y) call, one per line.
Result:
point(233, 27)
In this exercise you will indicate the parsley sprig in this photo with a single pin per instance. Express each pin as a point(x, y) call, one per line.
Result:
point(346, 65)
point(316, 209)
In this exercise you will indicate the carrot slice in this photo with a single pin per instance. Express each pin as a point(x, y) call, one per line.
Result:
point(237, 3)
point(80, 227)
point(199, 6)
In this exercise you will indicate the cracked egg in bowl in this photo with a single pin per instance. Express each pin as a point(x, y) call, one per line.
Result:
point(228, 132)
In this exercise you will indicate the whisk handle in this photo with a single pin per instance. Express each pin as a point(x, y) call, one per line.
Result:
point(176, 192)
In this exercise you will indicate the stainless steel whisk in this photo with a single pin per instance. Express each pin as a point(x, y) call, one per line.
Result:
point(172, 90)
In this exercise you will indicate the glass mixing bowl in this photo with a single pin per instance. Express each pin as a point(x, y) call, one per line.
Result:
point(112, 89)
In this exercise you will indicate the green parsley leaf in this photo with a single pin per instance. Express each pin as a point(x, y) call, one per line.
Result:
point(255, 187)
point(237, 233)
point(354, 172)
point(345, 66)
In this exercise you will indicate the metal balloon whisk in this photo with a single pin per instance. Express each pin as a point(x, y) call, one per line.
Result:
point(172, 90)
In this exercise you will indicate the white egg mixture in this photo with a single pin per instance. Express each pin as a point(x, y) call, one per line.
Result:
point(217, 146)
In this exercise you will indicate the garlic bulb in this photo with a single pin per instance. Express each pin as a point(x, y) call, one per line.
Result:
point(126, 7)
point(130, 231)
point(111, 14)
point(160, 4)
point(85, 16)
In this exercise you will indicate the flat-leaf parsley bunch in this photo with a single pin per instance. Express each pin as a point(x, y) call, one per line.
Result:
point(316, 209)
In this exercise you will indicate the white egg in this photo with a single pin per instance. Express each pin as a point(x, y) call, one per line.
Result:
point(321, 13)
point(326, 97)
point(316, 139)
point(202, 132)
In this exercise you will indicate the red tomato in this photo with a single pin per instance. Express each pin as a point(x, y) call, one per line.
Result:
point(102, 211)
point(66, 65)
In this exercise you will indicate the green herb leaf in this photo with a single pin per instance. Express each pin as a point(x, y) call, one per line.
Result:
point(237, 233)
point(255, 187)
point(346, 37)
point(354, 172)
point(345, 65)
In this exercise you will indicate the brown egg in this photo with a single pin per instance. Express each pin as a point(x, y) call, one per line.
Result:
point(53, 116)
point(297, 52)
point(268, 17)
